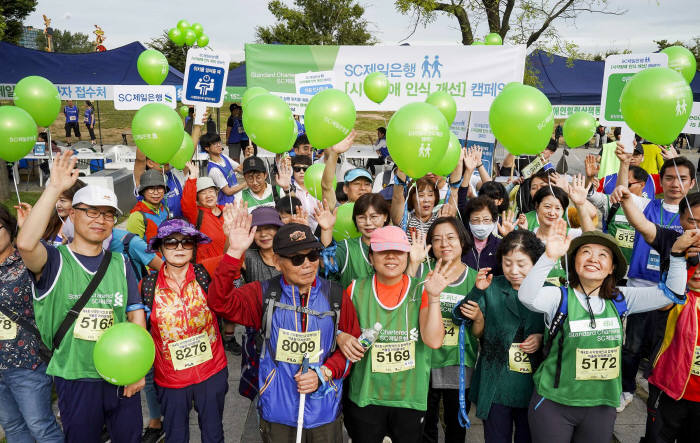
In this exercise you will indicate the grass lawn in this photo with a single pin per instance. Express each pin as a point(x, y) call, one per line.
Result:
point(26, 196)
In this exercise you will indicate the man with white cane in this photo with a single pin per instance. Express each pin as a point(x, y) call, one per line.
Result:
point(298, 315)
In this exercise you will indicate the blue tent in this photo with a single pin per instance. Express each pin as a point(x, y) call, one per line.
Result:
point(579, 82)
point(236, 77)
point(114, 67)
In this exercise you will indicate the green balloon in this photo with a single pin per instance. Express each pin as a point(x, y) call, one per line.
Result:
point(183, 25)
point(184, 111)
point(184, 153)
point(445, 103)
point(312, 180)
point(682, 60)
point(656, 104)
point(449, 161)
point(329, 118)
point(17, 133)
point(190, 37)
point(124, 354)
point(197, 28)
point(157, 131)
point(250, 93)
point(153, 67)
point(376, 87)
point(202, 40)
point(39, 97)
point(477, 43)
point(521, 119)
point(417, 137)
point(269, 123)
point(493, 39)
point(344, 227)
point(578, 129)
point(176, 36)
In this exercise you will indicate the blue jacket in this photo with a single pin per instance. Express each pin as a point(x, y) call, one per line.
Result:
point(645, 264)
point(279, 398)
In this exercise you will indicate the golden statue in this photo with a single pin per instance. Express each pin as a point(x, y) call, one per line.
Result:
point(48, 32)
point(99, 39)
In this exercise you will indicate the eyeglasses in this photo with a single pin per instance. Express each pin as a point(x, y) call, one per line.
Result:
point(155, 190)
point(481, 221)
point(633, 183)
point(94, 213)
point(374, 219)
point(298, 169)
point(173, 243)
point(298, 260)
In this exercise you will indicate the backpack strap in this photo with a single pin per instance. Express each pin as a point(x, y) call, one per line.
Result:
point(620, 304)
point(125, 244)
point(272, 292)
point(198, 226)
point(336, 302)
point(202, 276)
point(554, 327)
point(148, 289)
point(611, 213)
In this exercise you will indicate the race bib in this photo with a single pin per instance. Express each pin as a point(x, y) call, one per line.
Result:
point(654, 261)
point(190, 351)
point(695, 368)
point(92, 323)
point(393, 357)
point(292, 345)
point(8, 328)
point(598, 364)
point(451, 333)
point(518, 360)
point(533, 167)
point(621, 218)
point(625, 238)
point(553, 280)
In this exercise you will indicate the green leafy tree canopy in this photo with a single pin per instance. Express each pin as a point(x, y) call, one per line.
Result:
point(316, 22)
point(12, 12)
point(176, 56)
point(67, 42)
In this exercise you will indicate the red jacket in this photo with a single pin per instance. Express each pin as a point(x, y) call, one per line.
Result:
point(150, 217)
point(244, 306)
point(176, 317)
point(211, 225)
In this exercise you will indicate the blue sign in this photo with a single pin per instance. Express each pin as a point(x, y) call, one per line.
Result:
point(204, 83)
point(487, 150)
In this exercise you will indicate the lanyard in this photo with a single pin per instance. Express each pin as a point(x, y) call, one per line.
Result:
point(462, 414)
point(661, 216)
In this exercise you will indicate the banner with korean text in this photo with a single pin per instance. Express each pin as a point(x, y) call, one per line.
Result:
point(473, 75)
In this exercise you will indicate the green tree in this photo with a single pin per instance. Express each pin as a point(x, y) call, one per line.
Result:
point(67, 42)
point(12, 12)
point(176, 55)
point(316, 22)
point(522, 21)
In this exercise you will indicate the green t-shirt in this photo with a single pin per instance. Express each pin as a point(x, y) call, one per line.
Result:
point(395, 370)
point(267, 199)
point(107, 306)
point(351, 256)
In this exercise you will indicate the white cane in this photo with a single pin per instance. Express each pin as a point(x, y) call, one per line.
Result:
point(302, 397)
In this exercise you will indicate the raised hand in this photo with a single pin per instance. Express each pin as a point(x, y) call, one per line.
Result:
point(623, 156)
point(472, 159)
point(419, 251)
point(447, 210)
point(592, 166)
point(344, 144)
point(192, 170)
point(577, 190)
point(470, 309)
point(63, 173)
point(324, 216)
point(669, 152)
point(284, 175)
point(557, 241)
point(238, 228)
point(23, 210)
point(436, 281)
point(689, 238)
point(507, 223)
point(522, 222)
point(559, 180)
point(483, 278)
point(301, 216)
point(620, 194)
point(532, 343)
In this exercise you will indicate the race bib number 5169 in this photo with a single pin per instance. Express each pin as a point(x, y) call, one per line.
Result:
point(393, 357)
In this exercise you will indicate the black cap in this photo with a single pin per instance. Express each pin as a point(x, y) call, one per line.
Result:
point(292, 238)
point(638, 148)
point(254, 164)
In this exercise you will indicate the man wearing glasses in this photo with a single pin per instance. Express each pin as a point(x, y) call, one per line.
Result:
point(62, 274)
point(259, 192)
point(303, 319)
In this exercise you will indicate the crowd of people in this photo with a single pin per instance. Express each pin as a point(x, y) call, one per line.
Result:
point(531, 297)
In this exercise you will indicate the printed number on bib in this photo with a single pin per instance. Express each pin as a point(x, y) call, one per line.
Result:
point(451, 333)
point(92, 323)
point(8, 328)
point(393, 357)
point(625, 238)
point(292, 345)
point(654, 261)
point(598, 364)
point(190, 351)
point(553, 280)
point(695, 368)
point(518, 360)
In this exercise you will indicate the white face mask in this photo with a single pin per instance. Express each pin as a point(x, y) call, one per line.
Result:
point(481, 232)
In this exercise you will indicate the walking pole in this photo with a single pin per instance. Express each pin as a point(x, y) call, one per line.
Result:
point(302, 399)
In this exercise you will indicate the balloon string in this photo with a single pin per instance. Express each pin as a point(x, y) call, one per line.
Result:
point(19, 202)
point(165, 195)
point(48, 141)
point(685, 196)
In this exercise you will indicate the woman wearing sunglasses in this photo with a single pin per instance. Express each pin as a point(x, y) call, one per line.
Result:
point(309, 203)
point(190, 363)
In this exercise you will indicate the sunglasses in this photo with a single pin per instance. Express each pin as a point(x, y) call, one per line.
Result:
point(172, 243)
point(298, 260)
point(298, 169)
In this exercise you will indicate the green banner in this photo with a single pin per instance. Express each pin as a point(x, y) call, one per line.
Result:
point(234, 93)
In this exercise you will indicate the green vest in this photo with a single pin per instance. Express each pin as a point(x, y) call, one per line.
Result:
point(73, 359)
point(253, 201)
point(590, 364)
point(448, 354)
point(401, 389)
point(623, 233)
point(353, 264)
point(532, 222)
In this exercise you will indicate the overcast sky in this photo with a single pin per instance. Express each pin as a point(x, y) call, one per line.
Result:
point(231, 23)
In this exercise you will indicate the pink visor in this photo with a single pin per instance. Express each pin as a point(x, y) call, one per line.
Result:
point(389, 238)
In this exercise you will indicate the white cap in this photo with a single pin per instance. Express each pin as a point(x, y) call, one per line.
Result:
point(93, 195)
point(205, 183)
